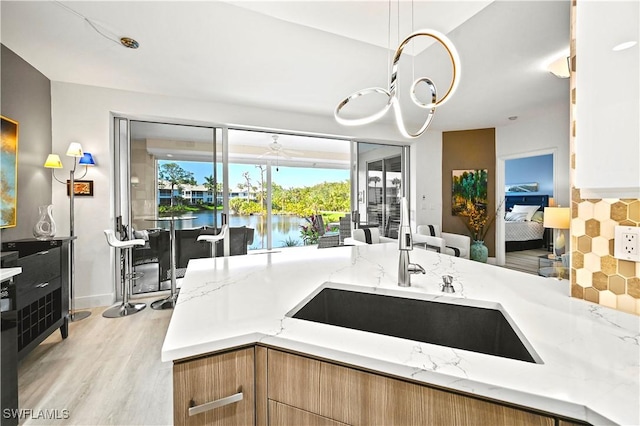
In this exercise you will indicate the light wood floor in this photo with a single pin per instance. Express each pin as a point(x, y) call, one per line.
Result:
point(107, 372)
point(525, 260)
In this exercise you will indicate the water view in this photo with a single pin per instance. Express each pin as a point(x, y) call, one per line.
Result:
point(284, 228)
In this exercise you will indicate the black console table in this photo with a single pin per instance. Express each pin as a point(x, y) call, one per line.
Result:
point(42, 290)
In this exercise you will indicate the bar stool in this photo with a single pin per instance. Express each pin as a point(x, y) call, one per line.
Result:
point(213, 239)
point(125, 308)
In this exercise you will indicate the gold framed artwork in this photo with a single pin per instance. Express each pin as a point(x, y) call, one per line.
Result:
point(82, 188)
point(8, 172)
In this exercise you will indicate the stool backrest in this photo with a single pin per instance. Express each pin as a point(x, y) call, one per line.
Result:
point(111, 237)
point(114, 242)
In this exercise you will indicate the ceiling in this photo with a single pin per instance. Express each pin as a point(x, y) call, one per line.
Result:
point(195, 143)
point(303, 56)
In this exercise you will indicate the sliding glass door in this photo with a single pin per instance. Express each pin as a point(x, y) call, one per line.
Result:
point(165, 170)
point(271, 183)
point(381, 172)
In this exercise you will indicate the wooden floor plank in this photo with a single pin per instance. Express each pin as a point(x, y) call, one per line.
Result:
point(524, 260)
point(107, 372)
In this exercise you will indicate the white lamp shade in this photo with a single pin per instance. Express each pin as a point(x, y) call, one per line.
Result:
point(53, 162)
point(557, 217)
point(75, 150)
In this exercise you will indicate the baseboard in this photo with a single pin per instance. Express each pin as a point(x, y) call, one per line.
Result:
point(94, 301)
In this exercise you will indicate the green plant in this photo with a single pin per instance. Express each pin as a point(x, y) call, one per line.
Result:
point(311, 231)
point(290, 242)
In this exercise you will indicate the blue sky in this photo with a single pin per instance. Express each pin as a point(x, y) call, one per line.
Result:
point(288, 177)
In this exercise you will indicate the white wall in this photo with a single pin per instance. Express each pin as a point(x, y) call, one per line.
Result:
point(83, 114)
point(426, 166)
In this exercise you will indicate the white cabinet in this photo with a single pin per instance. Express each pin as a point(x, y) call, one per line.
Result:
point(607, 99)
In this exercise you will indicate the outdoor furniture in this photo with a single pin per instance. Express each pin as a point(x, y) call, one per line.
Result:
point(326, 239)
point(344, 228)
point(169, 302)
point(391, 230)
point(329, 241)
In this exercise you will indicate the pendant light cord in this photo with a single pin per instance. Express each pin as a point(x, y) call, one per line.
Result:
point(88, 21)
point(389, 41)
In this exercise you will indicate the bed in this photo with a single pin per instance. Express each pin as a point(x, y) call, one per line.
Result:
point(520, 233)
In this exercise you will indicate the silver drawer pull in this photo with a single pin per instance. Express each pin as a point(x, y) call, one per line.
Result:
point(42, 285)
point(42, 253)
point(214, 404)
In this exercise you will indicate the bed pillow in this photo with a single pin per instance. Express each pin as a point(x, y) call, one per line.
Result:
point(515, 217)
point(529, 210)
point(538, 217)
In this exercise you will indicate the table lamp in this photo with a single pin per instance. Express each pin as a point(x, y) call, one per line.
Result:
point(557, 218)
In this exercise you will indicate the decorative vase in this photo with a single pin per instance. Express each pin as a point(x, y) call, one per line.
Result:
point(479, 252)
point(45, 228)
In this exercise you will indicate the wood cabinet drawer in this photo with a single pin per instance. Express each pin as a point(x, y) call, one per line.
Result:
point(293, 380)
point(356, 397)
point(200, 382)
point(281, 414)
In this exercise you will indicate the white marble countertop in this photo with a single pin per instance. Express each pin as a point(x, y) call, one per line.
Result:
point(590, 353)
point(6, 273)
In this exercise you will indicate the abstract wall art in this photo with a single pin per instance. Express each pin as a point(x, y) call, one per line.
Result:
point(8, 172)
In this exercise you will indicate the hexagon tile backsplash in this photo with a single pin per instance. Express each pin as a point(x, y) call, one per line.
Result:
point(595, 274)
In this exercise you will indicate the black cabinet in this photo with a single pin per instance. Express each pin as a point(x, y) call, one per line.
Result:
point(8, 345)
point(42, 290)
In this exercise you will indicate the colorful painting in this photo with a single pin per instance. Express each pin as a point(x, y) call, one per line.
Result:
point(8, 172)
point(83, 188)
point(469, 187)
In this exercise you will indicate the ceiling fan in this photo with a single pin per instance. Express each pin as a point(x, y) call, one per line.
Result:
point(277, 150)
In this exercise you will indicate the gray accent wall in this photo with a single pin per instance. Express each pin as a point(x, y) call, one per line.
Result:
point(26, 98)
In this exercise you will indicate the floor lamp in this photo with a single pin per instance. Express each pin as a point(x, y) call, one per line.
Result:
point(53, 162)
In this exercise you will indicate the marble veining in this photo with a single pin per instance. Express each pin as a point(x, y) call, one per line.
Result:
point(590, 354)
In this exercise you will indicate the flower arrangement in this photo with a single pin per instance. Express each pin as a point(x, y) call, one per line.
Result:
point(477, 219)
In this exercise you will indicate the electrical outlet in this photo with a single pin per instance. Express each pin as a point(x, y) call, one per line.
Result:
point(630, 243)
point(627, 243)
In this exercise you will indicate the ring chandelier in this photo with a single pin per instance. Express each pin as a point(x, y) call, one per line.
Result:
point(392, 95)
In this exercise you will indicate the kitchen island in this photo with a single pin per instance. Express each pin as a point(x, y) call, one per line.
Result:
point(590, 354)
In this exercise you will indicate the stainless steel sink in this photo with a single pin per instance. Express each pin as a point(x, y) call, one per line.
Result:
point(471, 325)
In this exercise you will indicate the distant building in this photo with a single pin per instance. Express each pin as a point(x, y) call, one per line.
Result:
point(196, 194)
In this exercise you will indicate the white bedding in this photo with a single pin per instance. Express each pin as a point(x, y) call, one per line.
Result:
point(523, 231)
